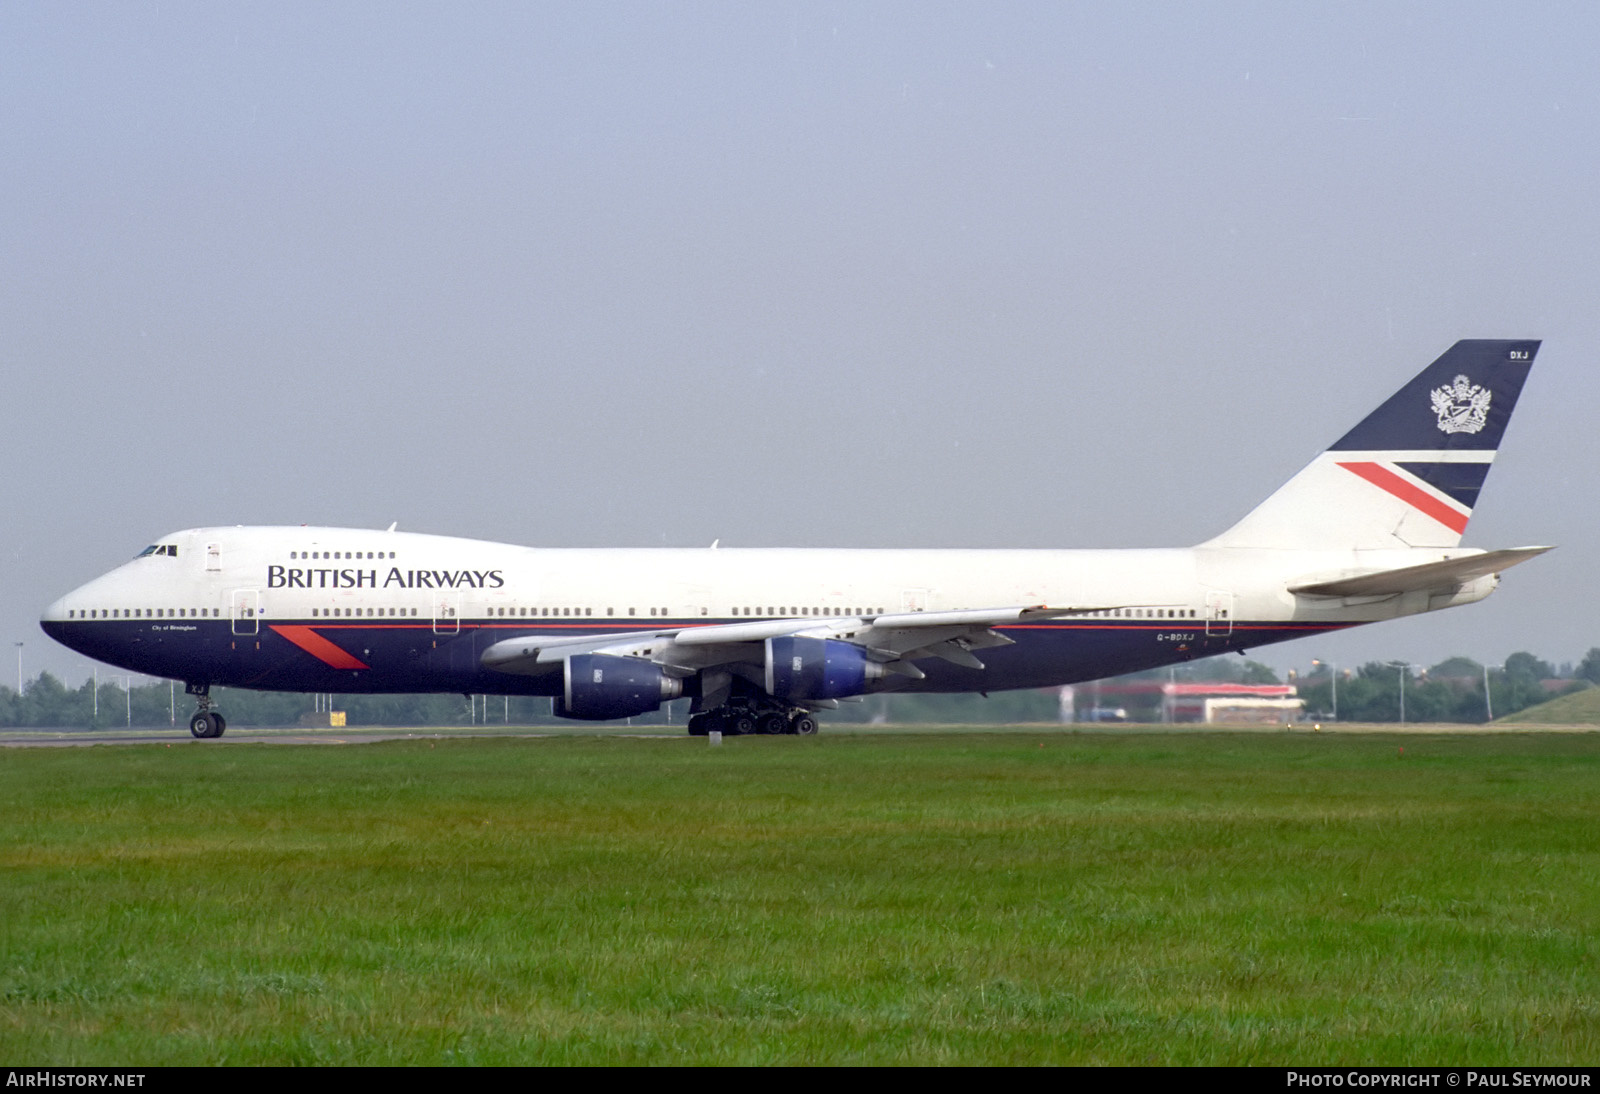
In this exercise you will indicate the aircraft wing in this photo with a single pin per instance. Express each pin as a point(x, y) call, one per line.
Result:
point(1433, 575)
point(892, 640)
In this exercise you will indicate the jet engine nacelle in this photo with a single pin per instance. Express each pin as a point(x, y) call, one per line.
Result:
point(801, 668)
point(599, 686)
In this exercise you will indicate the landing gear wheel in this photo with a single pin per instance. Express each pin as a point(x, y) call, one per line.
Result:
point(773, 724)
point(206, 722)
point(804, 725)
point(697, 725)
point(740, 725)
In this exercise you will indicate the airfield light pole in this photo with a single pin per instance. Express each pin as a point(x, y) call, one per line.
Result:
point(1488, 704)
point(127, 697)
point(1402, 666)
point(1333, 680)
point(19, 668)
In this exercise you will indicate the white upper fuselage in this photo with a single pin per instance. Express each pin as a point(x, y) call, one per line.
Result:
point(302, 573)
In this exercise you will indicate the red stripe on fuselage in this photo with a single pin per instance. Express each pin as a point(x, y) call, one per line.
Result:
point(318, 647)
point(1388, 481)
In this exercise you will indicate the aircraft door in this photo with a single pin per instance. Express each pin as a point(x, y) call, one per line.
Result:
point(1219, 613)
point(446, 613)
point(246, 611)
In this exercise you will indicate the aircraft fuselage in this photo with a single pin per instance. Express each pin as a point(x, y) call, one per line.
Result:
point(351, 610)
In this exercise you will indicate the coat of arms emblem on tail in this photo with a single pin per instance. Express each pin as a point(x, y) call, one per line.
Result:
point(1462, 407)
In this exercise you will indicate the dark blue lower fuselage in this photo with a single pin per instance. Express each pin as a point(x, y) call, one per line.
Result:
point(410, 656)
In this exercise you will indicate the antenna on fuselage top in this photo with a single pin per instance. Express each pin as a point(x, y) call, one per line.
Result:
point(392, 527)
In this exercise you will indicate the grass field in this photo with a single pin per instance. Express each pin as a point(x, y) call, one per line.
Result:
point(1579, 708)
point(1021, 897)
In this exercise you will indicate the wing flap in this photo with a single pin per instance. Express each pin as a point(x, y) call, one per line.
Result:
point(760, 630)
point(533, 654)
point(892, 639)
point(977, 617)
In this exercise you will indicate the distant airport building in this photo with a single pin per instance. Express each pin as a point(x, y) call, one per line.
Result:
point(1177, 703)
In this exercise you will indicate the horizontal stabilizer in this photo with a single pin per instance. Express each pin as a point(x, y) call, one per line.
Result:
point(1432, 575)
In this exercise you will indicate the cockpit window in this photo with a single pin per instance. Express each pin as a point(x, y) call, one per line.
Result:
point(168, 549)
point(147, 551)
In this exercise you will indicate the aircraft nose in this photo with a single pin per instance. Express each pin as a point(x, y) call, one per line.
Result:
point(53, 620)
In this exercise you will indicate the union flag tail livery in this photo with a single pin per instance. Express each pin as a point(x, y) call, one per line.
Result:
point(760, 640)
point(1409, 474)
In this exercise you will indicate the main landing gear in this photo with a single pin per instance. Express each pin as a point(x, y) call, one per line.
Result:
point(736, 721)
point(206, 723)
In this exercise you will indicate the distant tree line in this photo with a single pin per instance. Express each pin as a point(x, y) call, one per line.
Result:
point(1451, 691)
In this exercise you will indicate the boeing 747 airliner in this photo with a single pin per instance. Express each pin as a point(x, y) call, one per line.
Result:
point(762, 639)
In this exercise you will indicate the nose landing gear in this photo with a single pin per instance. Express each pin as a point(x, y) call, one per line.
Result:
point(206, 723)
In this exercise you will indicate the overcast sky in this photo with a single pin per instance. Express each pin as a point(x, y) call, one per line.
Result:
point(1076, 275)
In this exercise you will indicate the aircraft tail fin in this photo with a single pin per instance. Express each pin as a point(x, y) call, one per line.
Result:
point(1409, 474)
